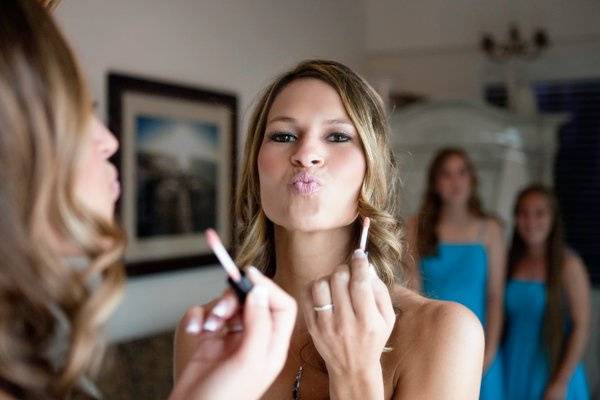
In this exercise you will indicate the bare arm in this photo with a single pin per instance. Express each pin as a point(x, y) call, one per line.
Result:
point(495, 290)
point(446, 361)
point(412, 256)
point(577, 291)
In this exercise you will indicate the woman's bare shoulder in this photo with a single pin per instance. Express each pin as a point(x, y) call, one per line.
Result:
point(414, 309)
point(432, 343)
point(431, 326)
point(493, 230)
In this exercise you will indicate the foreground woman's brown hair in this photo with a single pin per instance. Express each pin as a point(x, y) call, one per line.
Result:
point(50, 311)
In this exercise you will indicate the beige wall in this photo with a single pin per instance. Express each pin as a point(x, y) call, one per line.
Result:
point(431, 46)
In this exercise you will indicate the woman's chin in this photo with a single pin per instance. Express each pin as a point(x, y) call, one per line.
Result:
point(312, 224)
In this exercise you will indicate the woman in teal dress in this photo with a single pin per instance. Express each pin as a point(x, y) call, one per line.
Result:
point(461, 253)
point(547, 306)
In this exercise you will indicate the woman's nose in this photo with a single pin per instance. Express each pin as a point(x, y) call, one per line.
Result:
point(307, 155)
point(106, 140)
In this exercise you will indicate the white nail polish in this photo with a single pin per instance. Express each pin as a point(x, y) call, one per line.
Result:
point(343, 276)
point(220, 310)
point(210, 325)
point(193, 327)
point(253, 270)
point(253, 273)
point(358, 253)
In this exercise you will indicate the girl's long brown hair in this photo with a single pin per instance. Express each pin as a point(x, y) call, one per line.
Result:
point(428, 217)
point(45, 111)
point(555, 259)
point(378, 198)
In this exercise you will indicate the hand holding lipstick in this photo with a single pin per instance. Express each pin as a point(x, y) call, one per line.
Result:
point(350, 317)
point(225, 350)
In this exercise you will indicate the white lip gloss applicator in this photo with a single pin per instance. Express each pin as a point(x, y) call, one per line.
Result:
point(238, 281)
point(363, 236)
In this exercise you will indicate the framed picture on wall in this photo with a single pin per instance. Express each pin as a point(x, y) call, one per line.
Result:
point(177, 164)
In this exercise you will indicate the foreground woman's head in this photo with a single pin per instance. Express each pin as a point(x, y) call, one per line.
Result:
point(57, 196)
point(317, 156)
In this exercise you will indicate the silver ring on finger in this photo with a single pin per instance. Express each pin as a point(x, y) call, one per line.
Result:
point(325, 307)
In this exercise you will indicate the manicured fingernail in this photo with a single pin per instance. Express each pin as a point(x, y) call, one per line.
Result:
point(220, 310)
point(238, 327)
point(343, 276)
point(259, 296)
point(211, 324)
point(253, 269)
point(253, 273)
point(193, 326)
point(358, 254)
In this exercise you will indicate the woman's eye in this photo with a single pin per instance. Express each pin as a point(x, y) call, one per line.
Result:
point(282, 137)
point(339, 137)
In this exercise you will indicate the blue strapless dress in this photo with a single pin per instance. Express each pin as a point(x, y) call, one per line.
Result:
point(525, 362)
point(459, 273)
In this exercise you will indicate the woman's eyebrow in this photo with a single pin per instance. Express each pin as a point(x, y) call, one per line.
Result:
point(281, 119)
point(344, 121)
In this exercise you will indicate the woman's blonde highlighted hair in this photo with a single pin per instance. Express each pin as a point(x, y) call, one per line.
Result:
point(378, 197)
point(45, 111)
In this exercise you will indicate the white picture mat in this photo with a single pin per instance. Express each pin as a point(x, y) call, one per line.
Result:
point(135, 104)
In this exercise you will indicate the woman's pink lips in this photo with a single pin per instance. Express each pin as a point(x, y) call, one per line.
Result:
point(115, 184)
point(116, 188)
point(305, 184)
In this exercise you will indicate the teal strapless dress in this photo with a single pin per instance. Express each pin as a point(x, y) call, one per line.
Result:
point(525, 362)
point(459, 273)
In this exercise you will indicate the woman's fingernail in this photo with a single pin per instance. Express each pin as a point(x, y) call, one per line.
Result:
point(259, 296)
point(193, 326)
point(211, 324)
point(343, 276)
point(253, 272)
point(359, 253)
point(220, 310)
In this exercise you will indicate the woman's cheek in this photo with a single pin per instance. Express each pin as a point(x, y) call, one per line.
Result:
point(271, 163)
point(351, 165)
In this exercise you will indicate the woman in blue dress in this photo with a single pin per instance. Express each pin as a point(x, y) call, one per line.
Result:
point(547, 306)
point(460, 252)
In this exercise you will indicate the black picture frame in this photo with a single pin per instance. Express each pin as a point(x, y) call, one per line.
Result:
point(156, 123)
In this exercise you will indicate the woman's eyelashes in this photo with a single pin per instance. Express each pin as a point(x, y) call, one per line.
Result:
point(282, 137)
point(339, 137)
point(287, 137)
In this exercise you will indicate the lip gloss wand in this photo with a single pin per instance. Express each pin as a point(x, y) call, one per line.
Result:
point(363, 236)
point(238, 281)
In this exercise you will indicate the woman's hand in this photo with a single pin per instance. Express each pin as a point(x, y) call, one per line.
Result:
point(224, 353)
point(350, 336)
